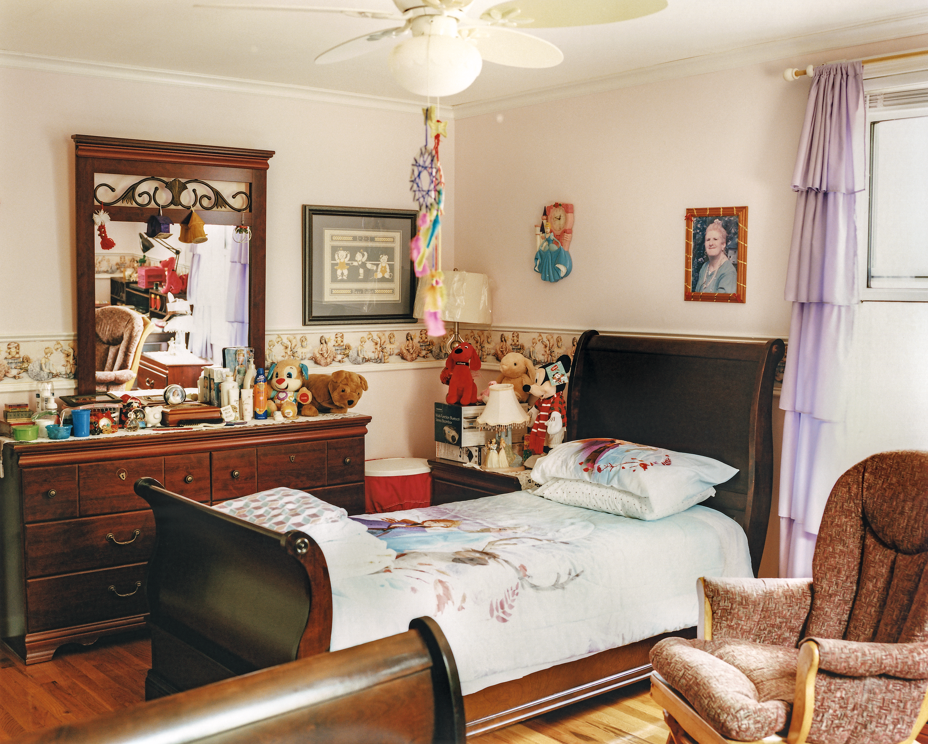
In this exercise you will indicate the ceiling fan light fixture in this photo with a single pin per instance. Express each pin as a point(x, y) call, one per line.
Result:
point(435, 65)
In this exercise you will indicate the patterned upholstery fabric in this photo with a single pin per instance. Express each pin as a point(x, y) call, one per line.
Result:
point(119, 332)
point(866, 608)
point(759, 610)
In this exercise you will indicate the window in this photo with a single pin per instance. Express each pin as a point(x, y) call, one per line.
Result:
point(896, 232)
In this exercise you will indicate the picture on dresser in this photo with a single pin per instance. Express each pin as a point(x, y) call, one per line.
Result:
point(716, 254)
point(356, 265)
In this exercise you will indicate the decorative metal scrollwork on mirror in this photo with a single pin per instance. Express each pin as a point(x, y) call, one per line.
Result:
point(168, 180)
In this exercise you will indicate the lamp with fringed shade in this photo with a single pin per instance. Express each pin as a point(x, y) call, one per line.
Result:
point(502, 414)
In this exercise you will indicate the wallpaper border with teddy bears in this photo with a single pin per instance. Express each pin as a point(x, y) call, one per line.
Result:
point(24, 361)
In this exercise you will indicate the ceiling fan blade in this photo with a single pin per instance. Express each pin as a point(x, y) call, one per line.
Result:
point(504, 46)
point(361, 45)
point(354, 13)
point(562, 13)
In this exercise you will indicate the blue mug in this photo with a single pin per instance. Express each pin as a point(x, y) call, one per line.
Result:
point(80, 419)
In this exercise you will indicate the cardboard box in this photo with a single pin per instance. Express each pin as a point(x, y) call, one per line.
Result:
point(457, 425)
point(445, 451)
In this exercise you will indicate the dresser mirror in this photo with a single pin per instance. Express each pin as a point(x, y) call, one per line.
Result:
point(133, 181)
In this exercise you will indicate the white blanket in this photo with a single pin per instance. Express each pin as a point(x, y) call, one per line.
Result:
point(517, 583)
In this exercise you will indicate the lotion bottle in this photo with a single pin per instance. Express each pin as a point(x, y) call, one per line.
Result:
point(260, 394)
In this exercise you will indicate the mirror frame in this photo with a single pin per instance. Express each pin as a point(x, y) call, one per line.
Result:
point(164, 160)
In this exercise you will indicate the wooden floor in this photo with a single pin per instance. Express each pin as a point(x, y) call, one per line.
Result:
point(81, 683)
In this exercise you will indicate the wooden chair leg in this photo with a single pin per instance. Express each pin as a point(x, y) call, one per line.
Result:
point(677, 734)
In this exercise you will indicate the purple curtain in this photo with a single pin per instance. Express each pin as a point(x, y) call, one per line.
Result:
point(237, 299)
point(822, 285)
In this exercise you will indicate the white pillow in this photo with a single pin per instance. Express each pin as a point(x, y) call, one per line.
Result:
point(651, 472)
point(615, 501)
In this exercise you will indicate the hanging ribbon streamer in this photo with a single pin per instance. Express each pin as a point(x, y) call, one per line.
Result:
point(428, 189)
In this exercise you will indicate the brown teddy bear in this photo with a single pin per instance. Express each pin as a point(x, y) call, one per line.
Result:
point(517, 371)
point(288, 392)
point(334, 393)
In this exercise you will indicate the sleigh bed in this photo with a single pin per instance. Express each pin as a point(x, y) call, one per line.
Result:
point(228, 596)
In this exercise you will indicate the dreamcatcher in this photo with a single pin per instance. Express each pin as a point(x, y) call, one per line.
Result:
point(428, 189)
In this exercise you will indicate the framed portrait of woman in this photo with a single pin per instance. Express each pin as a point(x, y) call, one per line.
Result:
point(716, 254)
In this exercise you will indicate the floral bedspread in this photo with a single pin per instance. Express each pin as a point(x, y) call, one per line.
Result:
point(519, 583)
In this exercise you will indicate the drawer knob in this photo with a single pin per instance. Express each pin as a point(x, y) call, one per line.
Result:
point(236, 474)
point(188, 479)
point(112, 589)
point(110, 537)
point(122, 474)
point(149, 382)
point(51, 493)
point(347, 461)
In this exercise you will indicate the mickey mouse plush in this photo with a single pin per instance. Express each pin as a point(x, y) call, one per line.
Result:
point(457, 376)
point(549, 410)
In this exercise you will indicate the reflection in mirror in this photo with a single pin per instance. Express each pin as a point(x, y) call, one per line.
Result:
point(194, 294)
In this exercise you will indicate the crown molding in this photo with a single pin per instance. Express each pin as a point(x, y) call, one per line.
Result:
point(897, 27)
point(213, 82)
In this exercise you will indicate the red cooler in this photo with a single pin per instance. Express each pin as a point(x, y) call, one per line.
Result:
point(397, 483)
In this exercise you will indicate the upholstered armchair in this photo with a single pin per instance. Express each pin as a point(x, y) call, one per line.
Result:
point(841, 658)
point(121, 333)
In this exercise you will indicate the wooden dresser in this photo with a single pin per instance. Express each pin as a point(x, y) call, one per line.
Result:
point(158, 369)
point(75, 539)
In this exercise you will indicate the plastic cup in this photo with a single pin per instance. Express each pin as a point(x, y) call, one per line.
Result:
point(80, 418)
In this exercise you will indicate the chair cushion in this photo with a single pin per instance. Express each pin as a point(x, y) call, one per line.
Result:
point(744, 690)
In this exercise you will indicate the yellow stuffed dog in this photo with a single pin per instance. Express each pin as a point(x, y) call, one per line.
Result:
point(334, 393)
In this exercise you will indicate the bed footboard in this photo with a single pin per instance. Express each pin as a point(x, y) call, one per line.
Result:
point(399, 689)
point(227, 597)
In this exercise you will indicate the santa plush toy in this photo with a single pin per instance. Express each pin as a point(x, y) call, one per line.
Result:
point(549, 411)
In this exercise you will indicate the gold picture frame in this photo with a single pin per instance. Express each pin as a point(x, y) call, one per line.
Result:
point(726, 280)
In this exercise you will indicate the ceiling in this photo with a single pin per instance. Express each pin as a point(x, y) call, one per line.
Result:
point(165, 38)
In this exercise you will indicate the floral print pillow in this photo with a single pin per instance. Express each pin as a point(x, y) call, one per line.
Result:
point(650, 472)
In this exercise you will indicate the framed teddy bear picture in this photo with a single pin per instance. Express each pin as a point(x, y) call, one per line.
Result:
point(356, 265)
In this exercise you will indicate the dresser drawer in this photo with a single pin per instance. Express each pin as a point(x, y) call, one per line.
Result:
point(188, 475)
point(300, 466)
point(234, 474)
point(83, 598)
point(151, 379)
point(350, 498)
point(345, 461)
point(49, 493)
point(89, 543)
point(106, 487)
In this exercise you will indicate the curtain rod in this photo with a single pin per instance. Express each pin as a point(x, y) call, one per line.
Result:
point(791, 73)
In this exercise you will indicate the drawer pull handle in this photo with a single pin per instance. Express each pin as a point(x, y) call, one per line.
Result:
point(188, 479)
point(122, 474)
point(347, 461)
point(111, 588)
point(292, 458)
point(150, 382)
point(110, 537)
point(236, 474)
point(51, 493)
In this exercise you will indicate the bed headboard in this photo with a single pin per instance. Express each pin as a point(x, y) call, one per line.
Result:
point(709, 398)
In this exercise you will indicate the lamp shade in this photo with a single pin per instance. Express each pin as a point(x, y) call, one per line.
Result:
point(434, 65)
point(502, 410)
point(467, 298)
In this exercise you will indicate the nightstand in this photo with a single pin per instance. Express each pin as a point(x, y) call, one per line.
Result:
point(452, 481)
point(158, 369)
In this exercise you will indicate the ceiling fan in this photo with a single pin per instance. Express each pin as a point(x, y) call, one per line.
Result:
point(441, 50)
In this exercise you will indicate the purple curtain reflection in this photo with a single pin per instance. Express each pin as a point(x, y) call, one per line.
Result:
point(822, 284)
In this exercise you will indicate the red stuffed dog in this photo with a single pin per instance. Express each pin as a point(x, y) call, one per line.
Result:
point(457, 375)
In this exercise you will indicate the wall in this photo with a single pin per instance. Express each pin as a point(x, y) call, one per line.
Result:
point(326, 154)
